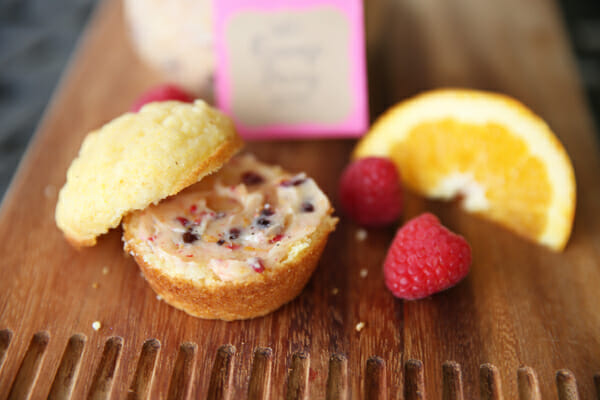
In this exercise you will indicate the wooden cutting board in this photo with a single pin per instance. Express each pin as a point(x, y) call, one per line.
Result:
point(521, 305)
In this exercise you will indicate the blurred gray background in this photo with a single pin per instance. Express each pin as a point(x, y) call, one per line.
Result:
point(37, 38)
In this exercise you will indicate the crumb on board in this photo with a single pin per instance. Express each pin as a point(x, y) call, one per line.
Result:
point(96, 325)
point(95, 285)
point(360, 326)
point(335, 291)
point(364, 272)
point(361, 234)
point(50, 191)
point(105, 271)
point(158, 297)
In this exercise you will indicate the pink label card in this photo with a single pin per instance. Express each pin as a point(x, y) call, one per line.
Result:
point(292, 68)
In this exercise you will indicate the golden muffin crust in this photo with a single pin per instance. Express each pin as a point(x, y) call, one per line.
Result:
point(139, 159)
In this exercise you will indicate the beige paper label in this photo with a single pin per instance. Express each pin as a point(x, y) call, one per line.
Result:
point(289, 67)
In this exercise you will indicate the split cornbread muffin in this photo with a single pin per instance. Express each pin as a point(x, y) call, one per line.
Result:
point(237, 244)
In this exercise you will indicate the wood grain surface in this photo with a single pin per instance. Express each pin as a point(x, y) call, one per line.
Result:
point(525, 322)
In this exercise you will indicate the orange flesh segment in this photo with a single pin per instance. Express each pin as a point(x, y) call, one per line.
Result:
point(515, 184)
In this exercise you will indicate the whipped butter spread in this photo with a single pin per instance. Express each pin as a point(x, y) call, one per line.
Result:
point(247, 218)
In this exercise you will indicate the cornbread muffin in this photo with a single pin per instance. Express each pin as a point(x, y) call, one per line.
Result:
point(139, 159)
point(236, 245)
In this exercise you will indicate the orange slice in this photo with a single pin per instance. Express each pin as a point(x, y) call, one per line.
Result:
point(501, 158)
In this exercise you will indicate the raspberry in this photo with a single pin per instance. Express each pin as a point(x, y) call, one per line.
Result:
point(370, 191)
point(162, 93)
point(425, 258)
